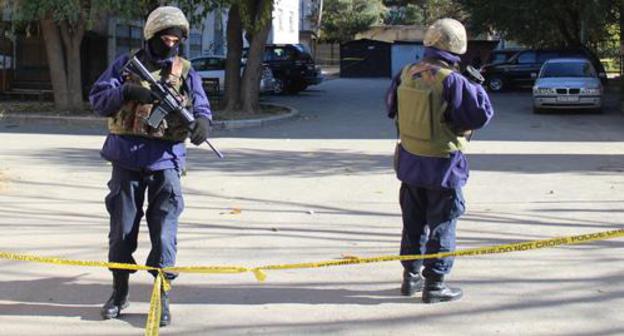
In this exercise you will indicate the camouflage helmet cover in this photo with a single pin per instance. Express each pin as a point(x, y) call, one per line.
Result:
point(165, 17)
point(447, 34)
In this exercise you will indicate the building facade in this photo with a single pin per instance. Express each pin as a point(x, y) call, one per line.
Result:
point(285, 23)
point(24, 61)
point(310, 23)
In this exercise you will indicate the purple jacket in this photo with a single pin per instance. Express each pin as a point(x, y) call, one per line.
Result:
point(469, 109)
point(134, 152)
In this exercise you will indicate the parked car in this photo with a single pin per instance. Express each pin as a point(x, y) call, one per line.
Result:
point(498, 56)
point(293, 67)
point(213, 68)
point(522, 68)
point(567, 83)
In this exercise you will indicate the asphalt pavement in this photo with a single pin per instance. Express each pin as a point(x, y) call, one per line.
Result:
point(320, 187)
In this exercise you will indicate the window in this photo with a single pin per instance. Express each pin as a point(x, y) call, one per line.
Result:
point(208, 64)
point(195, 44)
point(545, 56)
point(199, 64)
point(129, 38)
point(526, 57)
point(576, 69)
point(279, 54)
point(216, 63)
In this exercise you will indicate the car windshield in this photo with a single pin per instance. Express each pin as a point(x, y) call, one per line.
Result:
point(498, 58)
point(568, 69)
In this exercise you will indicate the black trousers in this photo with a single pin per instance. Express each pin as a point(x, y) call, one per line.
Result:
point(125, 205)
point(429, 222)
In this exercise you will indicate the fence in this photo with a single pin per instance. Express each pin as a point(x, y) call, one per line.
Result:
point(327, 54)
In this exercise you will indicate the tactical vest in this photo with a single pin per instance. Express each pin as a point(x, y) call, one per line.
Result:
point(421, 107)
point(130, 120)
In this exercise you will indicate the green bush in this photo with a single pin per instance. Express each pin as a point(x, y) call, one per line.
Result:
point(611, 64)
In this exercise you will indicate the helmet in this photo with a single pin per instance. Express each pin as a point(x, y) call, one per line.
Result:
point(447, 34)
point(165, 17)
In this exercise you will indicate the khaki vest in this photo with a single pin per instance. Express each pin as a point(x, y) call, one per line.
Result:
point(130, 120)
point(421, 121)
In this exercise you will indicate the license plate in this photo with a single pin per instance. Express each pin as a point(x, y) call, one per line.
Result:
point(570, 99)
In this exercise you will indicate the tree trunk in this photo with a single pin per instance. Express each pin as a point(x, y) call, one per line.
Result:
point(621, 10)
point(250, 93)
point(234, 34)
point(56, 63)
point(72, 38)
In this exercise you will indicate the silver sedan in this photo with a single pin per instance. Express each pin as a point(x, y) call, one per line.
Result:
point(567, 83)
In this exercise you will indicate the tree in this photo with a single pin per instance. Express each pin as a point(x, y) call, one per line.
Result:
point(342, 19)
point(234, 35)
point(63, 25)
point(536, 23)
point(429, 10)
point(242, 94)
point(404, 15)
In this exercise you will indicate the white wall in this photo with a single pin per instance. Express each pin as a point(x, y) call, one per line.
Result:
point(285, 28)
point(210, 39)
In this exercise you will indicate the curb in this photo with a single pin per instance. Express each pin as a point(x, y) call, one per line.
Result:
point(99, 121)
point(244, 123)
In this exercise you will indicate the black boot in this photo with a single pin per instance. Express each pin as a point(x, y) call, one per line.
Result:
point(165, 314)
point(412, 283)
point(119, 299)
point(437, 291)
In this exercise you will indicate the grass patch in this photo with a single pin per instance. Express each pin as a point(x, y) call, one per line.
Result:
point(39, 108)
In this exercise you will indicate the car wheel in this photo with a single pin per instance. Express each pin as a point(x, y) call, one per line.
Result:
point(537, 110)
point(278, 87)
point(294, 87)
point(597, 110)
point(300, 86)
point(495, 84)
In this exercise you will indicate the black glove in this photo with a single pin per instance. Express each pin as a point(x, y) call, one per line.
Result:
point(199, 131)
point(138, 93)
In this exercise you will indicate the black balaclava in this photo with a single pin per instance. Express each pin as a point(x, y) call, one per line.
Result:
point(159, 48)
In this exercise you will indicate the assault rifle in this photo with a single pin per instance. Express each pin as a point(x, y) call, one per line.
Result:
point(169, 100)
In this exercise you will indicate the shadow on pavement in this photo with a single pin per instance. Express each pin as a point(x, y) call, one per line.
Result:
point(246, 162)
point(62, 297)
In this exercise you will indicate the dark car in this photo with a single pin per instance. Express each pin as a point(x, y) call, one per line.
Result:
point(293, 67)
point(522, 68)
point(498, 56)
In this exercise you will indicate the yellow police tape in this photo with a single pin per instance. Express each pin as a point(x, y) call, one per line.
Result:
point(153, 317)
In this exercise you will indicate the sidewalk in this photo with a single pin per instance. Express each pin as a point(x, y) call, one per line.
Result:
point(330, 71)
point(317, 188)
point(94, 121)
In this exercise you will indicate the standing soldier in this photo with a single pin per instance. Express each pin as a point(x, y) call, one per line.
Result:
point(435, 108)
point(145, 158)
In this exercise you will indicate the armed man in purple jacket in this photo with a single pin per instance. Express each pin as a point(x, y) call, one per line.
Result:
point(145, 158)
point(435, 109)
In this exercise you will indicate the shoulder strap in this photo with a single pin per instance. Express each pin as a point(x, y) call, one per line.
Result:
point(440, 63)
